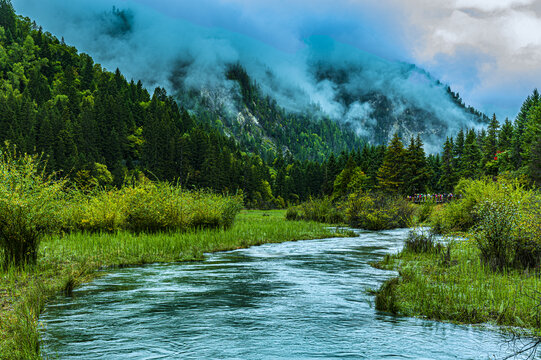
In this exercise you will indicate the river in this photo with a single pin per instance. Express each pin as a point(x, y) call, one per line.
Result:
point(295, 300)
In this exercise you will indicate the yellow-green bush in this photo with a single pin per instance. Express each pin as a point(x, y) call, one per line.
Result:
point(378, 211)
point(29, 203)
point(461, 215)
point(150, 207)
point(320, 210)
point(504, 218)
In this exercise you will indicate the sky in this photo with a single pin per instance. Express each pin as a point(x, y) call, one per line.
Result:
point(487, 50)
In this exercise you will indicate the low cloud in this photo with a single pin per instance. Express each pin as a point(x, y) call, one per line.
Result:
point(295, 58)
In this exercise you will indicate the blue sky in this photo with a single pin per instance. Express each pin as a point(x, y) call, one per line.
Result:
point(488, 50)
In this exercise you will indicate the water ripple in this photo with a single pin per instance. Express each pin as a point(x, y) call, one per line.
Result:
point(298, 300)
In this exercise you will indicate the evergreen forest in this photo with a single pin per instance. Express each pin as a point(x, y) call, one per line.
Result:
point(96, 128)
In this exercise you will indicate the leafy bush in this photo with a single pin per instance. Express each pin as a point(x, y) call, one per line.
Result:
point(424, 211)
point(509, 234)
point(461, 215)
point(378, 211)
point(320, 210)
point(29, 203)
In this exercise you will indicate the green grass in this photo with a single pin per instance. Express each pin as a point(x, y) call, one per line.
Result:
point(65, 262)
point(460, 288)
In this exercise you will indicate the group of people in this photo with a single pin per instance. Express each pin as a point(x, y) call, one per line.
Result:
point(437, 198)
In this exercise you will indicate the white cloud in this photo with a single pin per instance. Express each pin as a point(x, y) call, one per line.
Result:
point(497, 39)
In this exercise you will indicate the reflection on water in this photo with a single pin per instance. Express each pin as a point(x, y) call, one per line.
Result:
point(298, 300)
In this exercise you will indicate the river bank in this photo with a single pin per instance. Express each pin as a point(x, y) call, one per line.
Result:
point(488, 271)
point(453, 284)
point(66, 262)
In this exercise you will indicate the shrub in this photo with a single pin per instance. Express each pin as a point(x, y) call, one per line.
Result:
point(461, 215)
point(320, 210)
point(496, 232)
point(150, 207)
point(29, 202)
point(292, 213)
point(508, 233)
point(424, 211)
point(378, 211)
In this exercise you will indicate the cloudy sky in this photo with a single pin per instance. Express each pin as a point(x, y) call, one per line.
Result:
point(488, 50)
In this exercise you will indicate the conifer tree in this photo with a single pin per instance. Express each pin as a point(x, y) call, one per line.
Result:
point(532, 132)
point(490, 148)
point(416, 173)
point(8, 19)
point(458, 153)
point(520, 126)
point(449, 177)
point(472, 156)
point(390, 174)
point(534, 166)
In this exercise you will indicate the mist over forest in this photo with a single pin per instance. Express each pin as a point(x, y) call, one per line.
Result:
point(325, 78)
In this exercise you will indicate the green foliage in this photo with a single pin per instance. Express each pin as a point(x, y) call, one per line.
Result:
point(390, 174)
point(495, 232)
point(320, 210)
point(509, 233)
point(149, 207)
point(29, 202)
point(386, 297)
point(70, 260)
point(461, 215)
point(378, 211)
point(424, 211)
point(463, 289)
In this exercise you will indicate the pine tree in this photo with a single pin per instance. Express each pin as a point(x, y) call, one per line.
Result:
point(520, 126)
point(490, 148)
point(416, 173)
point(532, 132)
point(390, 174)
point(534, 166)
point(472, 156)
point(8, 19)
point(449, 176)
point(458, 153)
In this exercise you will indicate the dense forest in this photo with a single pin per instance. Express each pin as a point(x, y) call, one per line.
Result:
point(98, 129)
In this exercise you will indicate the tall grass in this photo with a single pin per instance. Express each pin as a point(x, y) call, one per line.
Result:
point(322, 210)
point(33, 204)
point(148, 207)
point(370, 211)
point(492, 276)
point(465, 290)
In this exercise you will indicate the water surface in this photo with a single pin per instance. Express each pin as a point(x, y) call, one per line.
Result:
point(296, 300)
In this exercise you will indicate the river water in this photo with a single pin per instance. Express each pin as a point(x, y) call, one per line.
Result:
point(295, 300)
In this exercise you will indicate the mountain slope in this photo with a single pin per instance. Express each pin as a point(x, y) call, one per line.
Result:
point(324, 79)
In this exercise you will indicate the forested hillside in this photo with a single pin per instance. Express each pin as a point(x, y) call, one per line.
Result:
point(96, 128)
